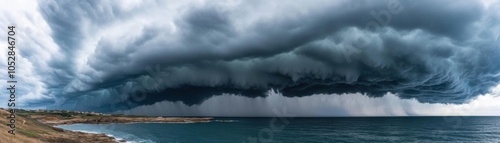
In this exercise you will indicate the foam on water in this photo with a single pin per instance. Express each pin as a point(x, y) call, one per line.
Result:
point(108, 131)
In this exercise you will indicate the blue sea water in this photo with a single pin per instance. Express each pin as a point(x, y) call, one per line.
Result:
point(318, 130)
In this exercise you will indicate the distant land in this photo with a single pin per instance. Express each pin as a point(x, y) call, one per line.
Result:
point(36, 126)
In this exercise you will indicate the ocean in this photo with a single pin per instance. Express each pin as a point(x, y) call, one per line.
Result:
point(314, 130)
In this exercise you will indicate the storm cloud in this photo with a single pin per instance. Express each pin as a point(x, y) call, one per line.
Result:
point(114, 55)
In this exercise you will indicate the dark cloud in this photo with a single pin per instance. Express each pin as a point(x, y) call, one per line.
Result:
point(438, 52)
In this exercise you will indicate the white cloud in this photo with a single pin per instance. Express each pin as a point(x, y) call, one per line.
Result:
point(34, 48)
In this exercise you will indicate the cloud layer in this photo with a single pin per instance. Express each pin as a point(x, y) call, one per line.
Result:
point(119, 55)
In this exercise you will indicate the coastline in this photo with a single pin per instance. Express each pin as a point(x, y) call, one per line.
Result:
point(41, 126)
point(115, 139)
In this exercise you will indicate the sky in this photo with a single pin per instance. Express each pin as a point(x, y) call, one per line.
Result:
point(253, 58)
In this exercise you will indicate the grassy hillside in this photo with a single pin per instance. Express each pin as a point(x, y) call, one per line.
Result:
point(29, 132)
point(33, 131)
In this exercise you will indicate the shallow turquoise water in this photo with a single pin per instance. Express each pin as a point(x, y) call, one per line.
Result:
point(346, 129)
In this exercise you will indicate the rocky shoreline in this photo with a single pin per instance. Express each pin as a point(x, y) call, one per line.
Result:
point(76, 137)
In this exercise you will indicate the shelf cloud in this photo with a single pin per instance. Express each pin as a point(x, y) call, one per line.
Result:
point(114, 55)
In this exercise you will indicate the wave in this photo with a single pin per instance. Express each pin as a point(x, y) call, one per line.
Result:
point(117, 139)
point(118, 136)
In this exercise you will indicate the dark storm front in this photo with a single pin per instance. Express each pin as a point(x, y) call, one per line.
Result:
point(348, 129)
